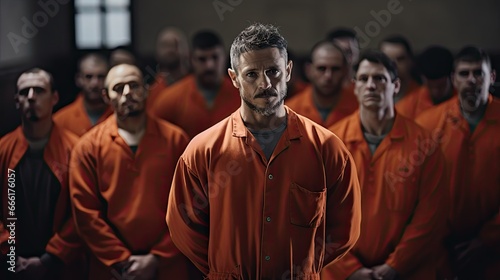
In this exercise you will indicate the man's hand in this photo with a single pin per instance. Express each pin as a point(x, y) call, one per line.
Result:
point(468, 253)
point(30, 268)
point(384, 272)
point(361, 274)
point(143, 267)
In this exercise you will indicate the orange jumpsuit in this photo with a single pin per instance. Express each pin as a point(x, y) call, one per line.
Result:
point(413, 105)
point(182, 104)
point(403, 201)
point(74, 118)
point(156, 88)
point(303, 104)
point(120, 199)
point(237, 215)
point(65, 244)
point(475, 177)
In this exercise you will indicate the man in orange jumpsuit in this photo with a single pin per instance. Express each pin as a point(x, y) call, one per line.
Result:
point(205, 97)
point(89, 108)
point(265, 193)
point(326, 101)
point(399, 50)
point(403, 180)
point(35, 217)
point(468, 128)
point(435, 64)
point(172, 55)
point(120, 180)
point(347, 40)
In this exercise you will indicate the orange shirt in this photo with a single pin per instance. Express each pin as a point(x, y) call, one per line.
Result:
point(403, 201)
point(182, 104)
point(237, 215)
point(303, 104)
point(65, 244)
point(156, 88)
point(413, 105)
point(74, 117)
point(474, 162)
point(120, 199)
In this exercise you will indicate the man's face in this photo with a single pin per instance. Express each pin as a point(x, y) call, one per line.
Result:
point(34, 97)
point(472, 81)
point(398, 54)
point(91, 80)
point(350, 47)
point(439, 88)
point(126, 91)
point(373, 86)
point(208, 66)
point(261, 78)
point(327, 71)
point(170, 50)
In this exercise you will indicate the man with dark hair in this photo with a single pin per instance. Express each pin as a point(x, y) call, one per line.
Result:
point(468, 127)
point(172, 55)
point(402, 179)
point(245, 204)
point(120, 178)
point(435, 64)
point(35, 220)
point(347, 40)
point(89, 108)
point(122, 55)
point(399, 50)
point(205, 97)
point(326, 101)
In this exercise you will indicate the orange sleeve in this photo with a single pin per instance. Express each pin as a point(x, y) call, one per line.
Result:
point(490, 233)
point(164, 107)
point(88, 207)
point(343, 212)
point(343, 268)
point(188, 217)
point(66, 243)
point(424, 234)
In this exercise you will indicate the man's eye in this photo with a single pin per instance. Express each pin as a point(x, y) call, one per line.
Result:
point(251, 74)
point(362, 79)
point(321, 68)
point(24, 91)
point(273, 72)
point(463, 73)
point(118, 88)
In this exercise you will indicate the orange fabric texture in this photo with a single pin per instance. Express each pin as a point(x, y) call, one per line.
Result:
point(155, 89)
point(415, 104)
point(303, 104)
point(65, 244)
point(475, 178)
point(182, 104)
point(74, 118)
point(120, 199)
point(403, 201)
point(237, 215)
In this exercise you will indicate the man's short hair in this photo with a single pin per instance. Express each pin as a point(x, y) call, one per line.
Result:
point(472, 54)
point(327, 42)
point(435, 62)
point(399, 40)
point(379, 57)
point(206, 39)
point(257, 36)
point(94, 56)
point(340, 33)
point(38, 70)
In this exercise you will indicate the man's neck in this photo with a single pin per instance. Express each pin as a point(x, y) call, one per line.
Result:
point(474, 114)
point(256, 121)
point(37, 130)
point(97, 107)
point(326, 101)
point(377, 122)
point(172, 75)
point(133, 124)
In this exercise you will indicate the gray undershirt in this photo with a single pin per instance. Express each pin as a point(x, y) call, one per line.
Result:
point(373, 141)
point(268, 139)
point(94, 116)
point(474, 120)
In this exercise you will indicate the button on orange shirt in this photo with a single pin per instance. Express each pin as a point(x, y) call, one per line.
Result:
point(65, 244)
point(403, 188)
point(303, 103)
point(474, 158)
point(120, 198)
point(74, 117)
point(416, 103)
point(237, 215)
point(183, 104)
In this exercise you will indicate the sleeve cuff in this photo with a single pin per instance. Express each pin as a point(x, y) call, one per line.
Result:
point(51, 261)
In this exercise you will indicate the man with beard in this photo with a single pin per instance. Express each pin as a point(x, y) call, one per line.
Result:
point(265, 193)
point(35, 205)
point(89, 108)
point(172, 55)
point(120, 180)
point(203, 98)
point(467, 126)
point(403, 183)
point(325, 101)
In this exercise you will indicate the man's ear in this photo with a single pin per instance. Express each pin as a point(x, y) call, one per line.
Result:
point(233, 75)
point(105, 96)
point(397, 86)
point(78, 78)
point(55, 98)
point(289, 68)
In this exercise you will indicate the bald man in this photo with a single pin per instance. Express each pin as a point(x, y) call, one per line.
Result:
point(121, 173)
point(172, 54)
point(89, 108)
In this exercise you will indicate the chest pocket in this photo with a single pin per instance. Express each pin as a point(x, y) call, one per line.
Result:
point(307, 208)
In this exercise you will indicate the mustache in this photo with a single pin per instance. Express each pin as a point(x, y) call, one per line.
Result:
point(267, 93)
